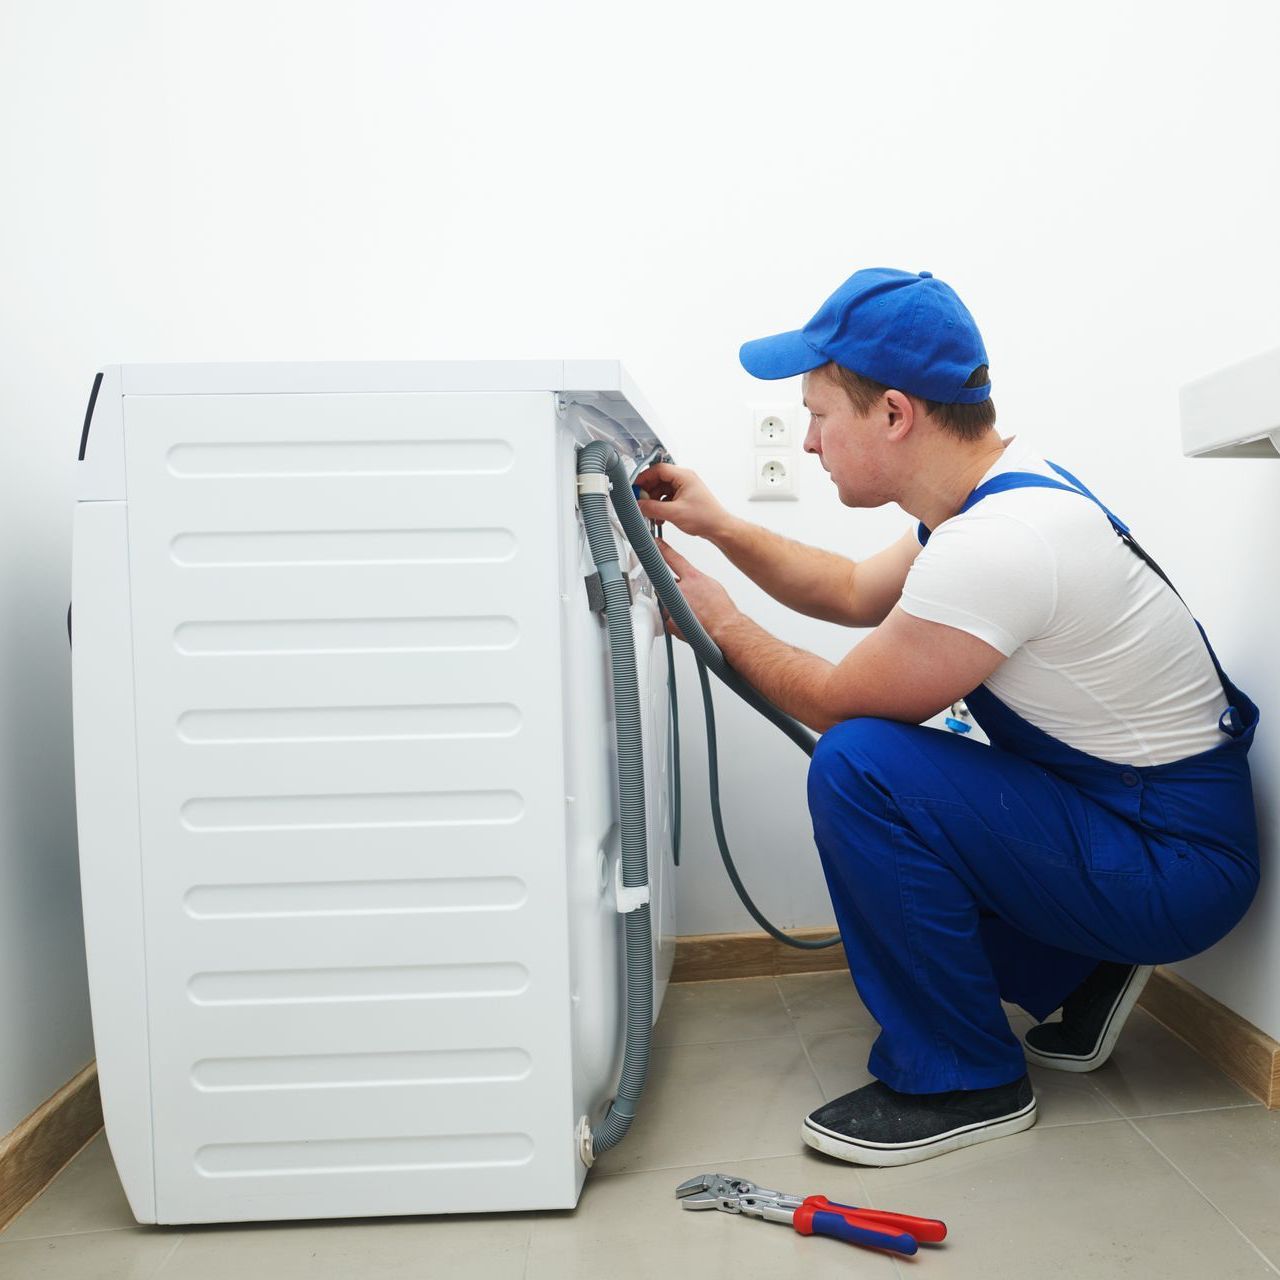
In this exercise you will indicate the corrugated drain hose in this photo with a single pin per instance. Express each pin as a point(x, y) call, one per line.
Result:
point(594, 460)
point(598, 458)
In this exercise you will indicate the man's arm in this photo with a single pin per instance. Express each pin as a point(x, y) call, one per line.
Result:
point(811, 581)
point(822, 584)
point(906, 669)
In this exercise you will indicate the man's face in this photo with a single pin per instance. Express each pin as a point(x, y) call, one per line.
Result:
point(844, 441)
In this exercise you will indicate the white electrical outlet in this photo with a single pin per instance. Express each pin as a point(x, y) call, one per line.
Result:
point(773, 426)
point(773, 477)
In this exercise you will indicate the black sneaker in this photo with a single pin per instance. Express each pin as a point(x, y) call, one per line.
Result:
point(1092, 1016)
point(877, 1125)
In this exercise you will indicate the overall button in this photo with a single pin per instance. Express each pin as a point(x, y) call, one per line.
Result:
point(1129, 779)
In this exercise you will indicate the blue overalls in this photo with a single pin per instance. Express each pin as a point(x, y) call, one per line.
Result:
point(963, 874)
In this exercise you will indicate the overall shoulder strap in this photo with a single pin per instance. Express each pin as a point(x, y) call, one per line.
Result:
point(1230, 721)
point(1002, 483)
point(1116, 523)
point(1007, 480)
point(1121, 529)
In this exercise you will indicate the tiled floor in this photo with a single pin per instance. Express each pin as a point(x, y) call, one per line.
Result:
point(1154, 1166)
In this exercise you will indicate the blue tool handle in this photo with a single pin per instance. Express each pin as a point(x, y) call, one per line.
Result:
point(840, 1228)
point(930, 1230)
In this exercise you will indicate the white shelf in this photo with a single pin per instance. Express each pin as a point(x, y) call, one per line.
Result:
point(1234, 413)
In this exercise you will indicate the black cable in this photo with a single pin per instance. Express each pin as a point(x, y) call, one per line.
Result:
point(673, 723)
point(675, 746)
point(713, 773)
point(643, 534)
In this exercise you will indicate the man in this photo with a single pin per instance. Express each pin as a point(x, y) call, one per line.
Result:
point(1108, 827)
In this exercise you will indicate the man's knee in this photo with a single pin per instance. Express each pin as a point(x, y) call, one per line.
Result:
point(855, 754)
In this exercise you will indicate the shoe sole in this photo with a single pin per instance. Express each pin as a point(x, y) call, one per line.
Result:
point(1126, 998)
point(888, 1154)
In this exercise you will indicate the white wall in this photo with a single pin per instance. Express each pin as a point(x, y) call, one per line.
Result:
point(657, 182)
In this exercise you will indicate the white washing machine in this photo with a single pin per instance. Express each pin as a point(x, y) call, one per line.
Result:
point(345, 782)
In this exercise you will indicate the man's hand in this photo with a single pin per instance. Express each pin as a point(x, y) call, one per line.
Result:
point(678, 495)
point(705, 596)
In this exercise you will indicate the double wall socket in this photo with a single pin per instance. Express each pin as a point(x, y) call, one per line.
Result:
point(774, 441)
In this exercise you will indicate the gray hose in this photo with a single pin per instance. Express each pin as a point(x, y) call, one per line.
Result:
point(636, 528)
point(597, 458)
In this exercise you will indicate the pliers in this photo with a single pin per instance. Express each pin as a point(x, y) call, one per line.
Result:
point(812, 1215)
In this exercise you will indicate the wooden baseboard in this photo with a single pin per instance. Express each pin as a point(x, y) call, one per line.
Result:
point(702, 957)
point(1219, 1035)
point(42, 1144)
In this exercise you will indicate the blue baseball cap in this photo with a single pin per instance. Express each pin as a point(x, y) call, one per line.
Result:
point(907, 330)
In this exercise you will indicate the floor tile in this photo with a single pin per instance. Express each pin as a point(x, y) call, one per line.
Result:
point(1232, 1156)
point(715, 1103)
point(85, 1196)
point(631, 1225)
point(840, 1060)
point(1063, 1097)
point(736, 1067)
point(135, 1253)
point(734, 1009)
point(1076, 1202)
point(824, 1002)
point(478, 1246)
point(1151, 1072)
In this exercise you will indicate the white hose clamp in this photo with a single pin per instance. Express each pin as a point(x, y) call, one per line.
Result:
point(628, 899)
point(594, 482)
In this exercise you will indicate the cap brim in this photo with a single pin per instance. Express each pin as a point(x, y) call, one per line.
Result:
point(782, 356)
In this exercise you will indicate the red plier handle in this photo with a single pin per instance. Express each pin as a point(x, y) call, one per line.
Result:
point(876, 1228)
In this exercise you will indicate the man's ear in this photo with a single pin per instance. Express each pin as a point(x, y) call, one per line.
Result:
point(901, 412)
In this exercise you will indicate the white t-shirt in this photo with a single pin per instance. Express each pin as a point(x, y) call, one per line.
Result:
point(1101, 654)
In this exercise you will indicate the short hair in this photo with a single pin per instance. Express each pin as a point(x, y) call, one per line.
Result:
point(964, 421)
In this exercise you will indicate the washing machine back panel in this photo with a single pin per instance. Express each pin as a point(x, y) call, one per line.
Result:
point(346, 629)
